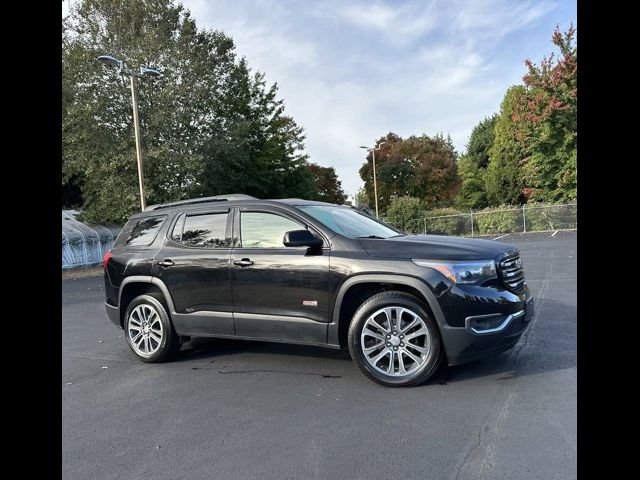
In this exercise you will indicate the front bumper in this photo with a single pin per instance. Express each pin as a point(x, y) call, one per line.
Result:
point(465, 344)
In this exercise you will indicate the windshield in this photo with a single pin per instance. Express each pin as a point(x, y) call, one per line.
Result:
point(349, 222)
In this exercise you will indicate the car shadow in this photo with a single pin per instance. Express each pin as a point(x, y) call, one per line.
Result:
point(548, 344)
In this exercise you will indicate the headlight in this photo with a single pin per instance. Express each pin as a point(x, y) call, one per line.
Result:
point(463, 272)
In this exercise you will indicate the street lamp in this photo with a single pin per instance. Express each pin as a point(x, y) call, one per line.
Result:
point(133, 76)
point(375, 183)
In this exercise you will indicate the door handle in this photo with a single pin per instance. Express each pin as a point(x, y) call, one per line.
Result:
point(166, 263)
point(245, 262)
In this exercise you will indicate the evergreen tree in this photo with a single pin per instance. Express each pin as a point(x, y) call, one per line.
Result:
point(472, 165)
point(209, 124)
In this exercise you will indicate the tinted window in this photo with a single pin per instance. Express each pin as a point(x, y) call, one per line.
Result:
point(208, 231)
point(142, 231)
point(349, 222)
point(264, 230)
point(176, 233)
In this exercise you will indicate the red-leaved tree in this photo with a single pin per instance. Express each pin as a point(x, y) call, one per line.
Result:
point(550, 107)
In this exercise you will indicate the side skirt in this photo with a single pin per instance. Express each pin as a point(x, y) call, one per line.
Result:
point(261, 339)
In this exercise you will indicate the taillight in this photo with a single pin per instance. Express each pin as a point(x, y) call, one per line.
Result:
point(105, 260)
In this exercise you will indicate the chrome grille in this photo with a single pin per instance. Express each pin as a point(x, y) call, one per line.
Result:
point(511, 273)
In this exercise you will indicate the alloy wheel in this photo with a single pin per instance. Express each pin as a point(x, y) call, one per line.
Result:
point(145, 330)
point(395, 341)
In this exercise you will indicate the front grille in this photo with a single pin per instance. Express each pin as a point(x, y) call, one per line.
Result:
point(511, 273)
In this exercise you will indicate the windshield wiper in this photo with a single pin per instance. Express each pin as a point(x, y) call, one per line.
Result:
point(370, 236)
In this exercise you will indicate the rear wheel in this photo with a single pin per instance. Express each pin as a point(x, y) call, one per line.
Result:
point(394, 341)
point(149, 331)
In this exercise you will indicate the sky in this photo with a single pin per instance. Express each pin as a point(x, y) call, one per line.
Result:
point(350, 71)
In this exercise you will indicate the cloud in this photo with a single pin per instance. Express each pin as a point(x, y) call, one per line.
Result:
point(397, 22)
point(499, 17)
point(373, 15)
point(350, 72)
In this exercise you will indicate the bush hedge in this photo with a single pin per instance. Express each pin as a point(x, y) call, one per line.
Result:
point(448, 225)
point(493, 220)
point(497, 220)
point(560, 217)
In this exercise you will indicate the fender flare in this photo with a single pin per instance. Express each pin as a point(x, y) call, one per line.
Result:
point(333, 330)
point(150, 280)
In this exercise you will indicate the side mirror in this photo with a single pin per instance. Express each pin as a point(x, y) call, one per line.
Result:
point(301, 238)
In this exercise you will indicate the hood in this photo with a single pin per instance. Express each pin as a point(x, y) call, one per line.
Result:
point(435, 247)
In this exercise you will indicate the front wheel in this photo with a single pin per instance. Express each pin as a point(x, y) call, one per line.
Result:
point(148, 330)
point(394, 341)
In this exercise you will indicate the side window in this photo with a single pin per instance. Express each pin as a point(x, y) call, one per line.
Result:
point(264, 230)
point(140, 232)
point(176, 233)
point(206, 230)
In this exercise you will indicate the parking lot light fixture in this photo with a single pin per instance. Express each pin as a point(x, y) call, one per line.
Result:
point(133, 76)
point(109, 60)
point(149, 72)
point(375, 183)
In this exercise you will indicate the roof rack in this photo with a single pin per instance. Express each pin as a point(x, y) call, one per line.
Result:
point(217, 198)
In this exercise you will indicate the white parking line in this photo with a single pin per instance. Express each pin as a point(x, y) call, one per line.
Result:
point(502, 236)
point(554, 234)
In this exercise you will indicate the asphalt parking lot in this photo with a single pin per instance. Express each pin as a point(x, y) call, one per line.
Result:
point(245, 410)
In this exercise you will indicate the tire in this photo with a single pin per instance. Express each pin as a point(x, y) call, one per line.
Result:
point(148, 317)
point(421, 340)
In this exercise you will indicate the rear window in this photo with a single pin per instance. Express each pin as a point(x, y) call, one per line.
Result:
point(204, 231)
point(140, 232)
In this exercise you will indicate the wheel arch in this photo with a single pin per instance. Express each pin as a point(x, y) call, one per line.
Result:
point(133, 286)
point(359, 287)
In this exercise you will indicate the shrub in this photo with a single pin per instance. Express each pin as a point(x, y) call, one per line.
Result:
point(458, 224)
point(550, 217)
point(503, 219)
point(406, 213)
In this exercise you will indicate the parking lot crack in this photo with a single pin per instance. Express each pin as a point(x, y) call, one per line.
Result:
point(228, 372)
point(479, 460)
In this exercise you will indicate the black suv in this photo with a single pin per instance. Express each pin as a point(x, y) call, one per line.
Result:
point(312, 273)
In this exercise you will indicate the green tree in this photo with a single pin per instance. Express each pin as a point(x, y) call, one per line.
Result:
point(406, 213)
point(210, 125)
point(551, 109)
point(481, 140)
point(472, 165)
point(472, 193)
point(327, 183)
point(534, 154)
point(511, 146)
point(260, 152)
point(361, 197)
point(419, 166)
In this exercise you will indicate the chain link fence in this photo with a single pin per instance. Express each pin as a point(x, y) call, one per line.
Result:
point(534, 218)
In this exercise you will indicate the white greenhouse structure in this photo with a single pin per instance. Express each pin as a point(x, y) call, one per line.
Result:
point(84, 244)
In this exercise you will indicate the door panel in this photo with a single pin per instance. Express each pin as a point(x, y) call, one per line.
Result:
point(279, 281)
point(196, 273)
point(281, 292)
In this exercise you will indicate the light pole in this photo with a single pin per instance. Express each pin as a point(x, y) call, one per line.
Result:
point(133, 77)
point(375, 183)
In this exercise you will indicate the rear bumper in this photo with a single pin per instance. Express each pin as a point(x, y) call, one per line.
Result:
point(113, 313)
point(463, 344)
